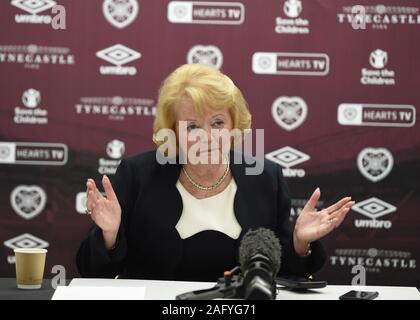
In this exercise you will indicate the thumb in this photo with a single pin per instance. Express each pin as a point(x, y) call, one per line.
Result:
point(110, 194)
point(310, 205)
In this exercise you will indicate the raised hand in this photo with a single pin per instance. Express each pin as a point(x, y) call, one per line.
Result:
point(104, 211)
point(312, 225)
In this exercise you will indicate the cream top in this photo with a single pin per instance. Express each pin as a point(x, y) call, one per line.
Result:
point(212, 213)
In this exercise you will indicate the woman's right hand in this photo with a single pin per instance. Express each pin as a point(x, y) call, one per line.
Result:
point(105, 211)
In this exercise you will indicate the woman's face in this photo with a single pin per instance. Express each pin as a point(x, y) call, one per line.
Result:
point(207, 141)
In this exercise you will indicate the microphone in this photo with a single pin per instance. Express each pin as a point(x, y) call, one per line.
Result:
point(259, 257)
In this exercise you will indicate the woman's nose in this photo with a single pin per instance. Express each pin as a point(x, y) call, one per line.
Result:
point(209, 135)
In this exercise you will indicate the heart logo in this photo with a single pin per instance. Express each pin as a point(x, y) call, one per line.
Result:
point(28, 201)
point(208, 55)
point(4, 152)
point(289, 112)
point(375, 163)
point(350, 113)
point(120, 13)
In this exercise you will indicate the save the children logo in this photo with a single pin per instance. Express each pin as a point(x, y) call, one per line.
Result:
point(115, 150)
point(32, 113)
point(379, 75)
point(292, 23)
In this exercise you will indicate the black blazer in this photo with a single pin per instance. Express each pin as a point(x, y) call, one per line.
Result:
point(149, 246)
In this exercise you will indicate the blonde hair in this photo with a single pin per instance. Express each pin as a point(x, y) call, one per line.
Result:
point(207, 87)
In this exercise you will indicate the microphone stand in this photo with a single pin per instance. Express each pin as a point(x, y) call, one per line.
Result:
point(228, 286)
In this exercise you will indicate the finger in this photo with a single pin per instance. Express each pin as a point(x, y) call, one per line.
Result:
point(310, 205)
point(337, 205)
point(326, 228)
point(110, 194)
point(349, 205)
point(333, 223)
point(338, 212)
point(90, 199)
point(96, 193)
point(341, 217)
point(93, 198)
point(94, 212)
point(90, 184)
point(98, 205)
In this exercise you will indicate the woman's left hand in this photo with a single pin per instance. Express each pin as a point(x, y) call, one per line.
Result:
point(312, 225)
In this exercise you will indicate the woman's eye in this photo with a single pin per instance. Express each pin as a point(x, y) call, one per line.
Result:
point(192, 127)
point(218, 124)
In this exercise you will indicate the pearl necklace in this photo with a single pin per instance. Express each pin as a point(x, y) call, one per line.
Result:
point(205, 188)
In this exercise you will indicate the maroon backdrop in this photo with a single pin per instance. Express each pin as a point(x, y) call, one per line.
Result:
point(342, 99)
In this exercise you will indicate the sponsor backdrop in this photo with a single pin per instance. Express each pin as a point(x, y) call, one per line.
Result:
point(336, 92)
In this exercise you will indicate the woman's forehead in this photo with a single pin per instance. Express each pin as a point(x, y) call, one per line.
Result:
point(186, 108)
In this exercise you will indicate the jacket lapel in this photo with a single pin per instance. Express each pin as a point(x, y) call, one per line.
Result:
point(244, 204)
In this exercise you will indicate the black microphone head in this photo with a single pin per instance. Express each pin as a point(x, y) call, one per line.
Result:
point(261, 241)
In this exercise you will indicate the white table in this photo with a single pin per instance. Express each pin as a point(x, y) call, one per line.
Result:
point(168, 290)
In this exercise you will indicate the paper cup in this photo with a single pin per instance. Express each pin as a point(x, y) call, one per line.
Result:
point(30, 264)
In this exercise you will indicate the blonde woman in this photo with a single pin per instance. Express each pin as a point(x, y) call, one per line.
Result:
point(185, 220)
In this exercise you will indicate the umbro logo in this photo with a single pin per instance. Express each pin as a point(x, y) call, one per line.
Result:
point(118, 55)
point(34, 6)
point(373, 208)
point(288, 157)
point(26, 240)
